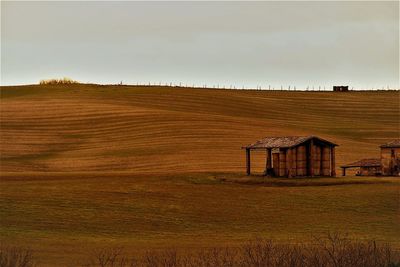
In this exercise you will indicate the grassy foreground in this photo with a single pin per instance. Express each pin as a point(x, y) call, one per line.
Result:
point(59, 213)
point(86, 166)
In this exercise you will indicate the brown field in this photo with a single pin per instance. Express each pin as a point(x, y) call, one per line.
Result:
point(86, 166)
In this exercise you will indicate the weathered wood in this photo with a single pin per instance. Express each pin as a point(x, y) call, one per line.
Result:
point(282, 163)
point(268, 159)
point(247, 161)
point(269, 163)
point(289, 162)
point(326, 162)
point(294, 161)
point(311, 155)
point(275, 163)
point(321, 166)
point(301, 161)
point(317, 160)
point(295, 156)
point(343, 171)
point(333, 164)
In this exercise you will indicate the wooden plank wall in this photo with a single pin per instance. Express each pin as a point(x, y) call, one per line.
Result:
point(298, 161)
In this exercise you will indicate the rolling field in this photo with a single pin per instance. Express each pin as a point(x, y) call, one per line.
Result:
point(86, 166)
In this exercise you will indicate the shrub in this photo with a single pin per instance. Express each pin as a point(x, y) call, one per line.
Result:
point(16, 257)
point(64, 80)
point(111, 257)
point(334, 250)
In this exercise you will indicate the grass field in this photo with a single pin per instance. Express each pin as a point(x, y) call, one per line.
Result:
point(86, 166)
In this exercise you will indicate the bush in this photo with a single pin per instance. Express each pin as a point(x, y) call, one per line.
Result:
point(16, 257)
point(64, 80)
point(334, 250)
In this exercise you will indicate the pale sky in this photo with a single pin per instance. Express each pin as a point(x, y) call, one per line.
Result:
point(215, 43)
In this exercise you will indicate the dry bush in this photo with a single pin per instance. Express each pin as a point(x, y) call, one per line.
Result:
point(217, 257)
point(334, 250)
point(111, 257)
point(16, 257)
point(167, 258)
point(64, 80)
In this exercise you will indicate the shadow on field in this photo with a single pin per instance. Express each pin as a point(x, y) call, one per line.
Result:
point(333, 250)
point(261, 180)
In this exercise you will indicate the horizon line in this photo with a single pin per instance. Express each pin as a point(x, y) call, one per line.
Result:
point(216, 87)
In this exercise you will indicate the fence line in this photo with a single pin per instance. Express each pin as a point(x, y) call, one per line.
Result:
point(311, 88)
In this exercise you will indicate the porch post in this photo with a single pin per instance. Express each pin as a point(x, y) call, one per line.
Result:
point(333, 167)
point(248, 161)
point(268, 160)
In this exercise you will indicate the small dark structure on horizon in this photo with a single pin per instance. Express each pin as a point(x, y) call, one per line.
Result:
point(295, 156)
point(367, 167)
point(340, 88)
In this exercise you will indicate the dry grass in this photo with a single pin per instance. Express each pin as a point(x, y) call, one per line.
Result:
point(16, 257)
point(78, 212)
point(260, 180)
point(157, 130)
point(332, 251)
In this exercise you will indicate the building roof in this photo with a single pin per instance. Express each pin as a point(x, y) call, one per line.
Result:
point(364, 163)
point(285, 142)
point(393, 143)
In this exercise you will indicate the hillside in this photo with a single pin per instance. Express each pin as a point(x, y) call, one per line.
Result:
point(85, 167)
point(90, 128)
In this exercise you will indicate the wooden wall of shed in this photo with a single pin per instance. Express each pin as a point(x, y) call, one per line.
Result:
point(294, 161)
point(282, 163)
point(301, 161)
point(326, 161)
point(321, 160)
point(390, 161)
point(317, 160)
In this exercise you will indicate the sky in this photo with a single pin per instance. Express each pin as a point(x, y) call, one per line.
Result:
point(241, 43)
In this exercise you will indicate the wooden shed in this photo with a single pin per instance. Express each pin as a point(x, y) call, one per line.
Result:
point(366, 167)
point(295, 156)
point(390, 158)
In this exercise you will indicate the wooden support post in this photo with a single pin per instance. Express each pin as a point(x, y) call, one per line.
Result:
point(248, 161)
point(294, 161)
point(311, 162)
point(268, 164)
point(269, 161)
point(289, 162)
point(343, 171)
point(321, 166)
point(333, 167)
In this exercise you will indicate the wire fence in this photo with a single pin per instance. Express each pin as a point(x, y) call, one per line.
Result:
point(312, 88)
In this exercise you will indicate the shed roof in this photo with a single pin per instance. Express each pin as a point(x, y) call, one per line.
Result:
point(393, 143)
point(285, 142)
point(364, 163)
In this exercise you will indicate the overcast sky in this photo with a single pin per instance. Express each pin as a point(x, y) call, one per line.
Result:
point(225, 43)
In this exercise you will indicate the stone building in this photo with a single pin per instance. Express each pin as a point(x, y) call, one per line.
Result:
point(390, 158)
